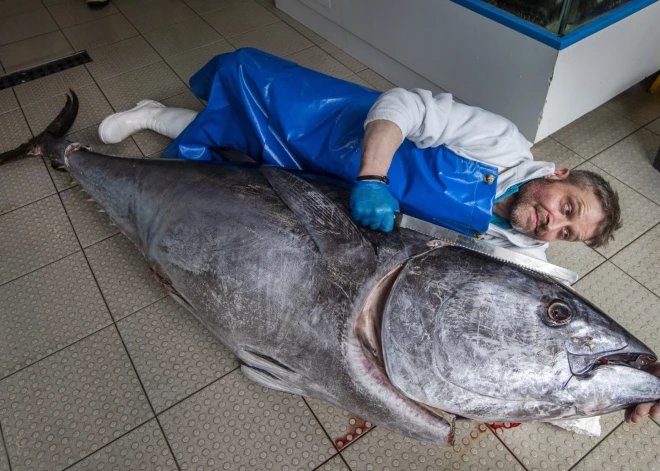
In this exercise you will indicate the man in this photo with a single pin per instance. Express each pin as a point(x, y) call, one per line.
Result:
point(449, 163)
point(459, 166)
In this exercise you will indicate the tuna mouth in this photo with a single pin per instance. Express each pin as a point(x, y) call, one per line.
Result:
point(582, 365)
point(633, 360)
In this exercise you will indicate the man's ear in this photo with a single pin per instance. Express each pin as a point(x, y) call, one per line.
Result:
point(560, 174)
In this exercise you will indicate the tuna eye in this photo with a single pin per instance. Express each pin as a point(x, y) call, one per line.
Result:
point(559, 313)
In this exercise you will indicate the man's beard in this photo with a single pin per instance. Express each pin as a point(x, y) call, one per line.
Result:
point(523, 207)
point(518, 213)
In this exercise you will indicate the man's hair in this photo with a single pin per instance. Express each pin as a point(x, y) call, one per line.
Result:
point(609, 200)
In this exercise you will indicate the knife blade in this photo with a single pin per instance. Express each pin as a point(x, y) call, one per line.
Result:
point(508, 256)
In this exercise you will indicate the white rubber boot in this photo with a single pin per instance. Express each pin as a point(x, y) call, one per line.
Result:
point(148, 114)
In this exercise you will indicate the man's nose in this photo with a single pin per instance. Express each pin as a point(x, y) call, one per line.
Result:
point(556, 222)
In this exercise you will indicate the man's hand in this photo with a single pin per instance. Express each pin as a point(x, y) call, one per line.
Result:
point(373, 205)
point(636, 413)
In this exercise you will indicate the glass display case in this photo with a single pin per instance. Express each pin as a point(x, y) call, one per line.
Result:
point(560, 17)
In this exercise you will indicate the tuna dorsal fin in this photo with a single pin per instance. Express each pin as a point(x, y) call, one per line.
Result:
point(333, 231)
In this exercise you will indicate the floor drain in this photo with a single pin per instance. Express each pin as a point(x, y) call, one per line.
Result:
point(42, 70)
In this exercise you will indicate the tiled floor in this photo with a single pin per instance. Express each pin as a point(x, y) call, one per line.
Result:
point(100, 370)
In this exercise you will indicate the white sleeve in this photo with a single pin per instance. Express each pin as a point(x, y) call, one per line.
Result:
point(431, 121)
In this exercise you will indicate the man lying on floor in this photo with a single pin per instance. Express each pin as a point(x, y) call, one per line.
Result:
point(448, 163)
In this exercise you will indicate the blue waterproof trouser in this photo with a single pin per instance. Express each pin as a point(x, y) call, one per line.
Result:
point(285, 115)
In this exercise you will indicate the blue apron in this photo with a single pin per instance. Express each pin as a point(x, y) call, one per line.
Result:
point(285, 115)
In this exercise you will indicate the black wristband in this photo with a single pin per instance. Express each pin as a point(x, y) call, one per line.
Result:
point(373, 178)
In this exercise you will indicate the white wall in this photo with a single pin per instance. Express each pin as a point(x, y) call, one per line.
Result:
point(601, 66)
point(480, 61)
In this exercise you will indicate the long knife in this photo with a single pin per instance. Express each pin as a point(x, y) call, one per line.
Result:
point(523, 261)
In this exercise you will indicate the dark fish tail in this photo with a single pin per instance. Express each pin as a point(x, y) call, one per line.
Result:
point(64, 120)
point(44, 143)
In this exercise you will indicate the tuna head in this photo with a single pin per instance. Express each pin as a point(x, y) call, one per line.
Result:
point(471, 336)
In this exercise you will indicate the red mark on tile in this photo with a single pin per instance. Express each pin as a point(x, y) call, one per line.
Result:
point(503, 425)
point(356, 427)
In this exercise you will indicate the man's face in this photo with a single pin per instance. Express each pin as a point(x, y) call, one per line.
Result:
point(550, 209)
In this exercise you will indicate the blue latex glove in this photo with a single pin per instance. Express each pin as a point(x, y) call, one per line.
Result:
point(373, 205)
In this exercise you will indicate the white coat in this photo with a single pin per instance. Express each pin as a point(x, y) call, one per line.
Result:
point(473, 133)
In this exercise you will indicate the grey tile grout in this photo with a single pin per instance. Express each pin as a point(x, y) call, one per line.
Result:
point(636, 281)
point(169, 445)
point(623, 116)
point(318, 468)
point(631, 276)
point(595, 446)
point(332, 442)
point(105, 326)
point(26, 11)
point(57, 95)
point(36, 35)
point(602, 262)
point(497, 436)
point(588, 159)
point(650, 130)
point(327, 434)
point(4, 443)
point(621, 181)
point(163, 60)
point(222, 38)
point(36, 269)
point(28, 203)
point(109, 443)
point(137, 375)
point(91, 21)
point(183, 399)
point(631, 242)
point(60, 350)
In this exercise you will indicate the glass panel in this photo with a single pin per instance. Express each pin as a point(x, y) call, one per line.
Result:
point(544, 13)
point(557, 16)
point(581, 12)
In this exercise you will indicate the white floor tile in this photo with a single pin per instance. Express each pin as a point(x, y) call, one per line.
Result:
point(542, 446)
point(640, 260)
point(48, 310)
point(595, 132)
point(630, 447)
point(549, 150)
point(175, 356)
point(66, 406)
point(33, 236)
point(235, 424)
point(638, 213)
point(144, 448)
point(631, 162)
point(123, 275)
point(575, 256)
point(23, 182)
point(636, 104)
point(625, 300)
point(476, 448)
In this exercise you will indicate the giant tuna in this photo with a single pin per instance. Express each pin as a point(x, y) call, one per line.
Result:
point(402, 330)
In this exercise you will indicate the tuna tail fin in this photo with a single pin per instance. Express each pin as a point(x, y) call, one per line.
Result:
point(55, 131)
point(64, 120)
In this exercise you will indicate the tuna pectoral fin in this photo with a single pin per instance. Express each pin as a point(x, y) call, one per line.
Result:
point(333, 231)
point(270, 373)
point(269, 381)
